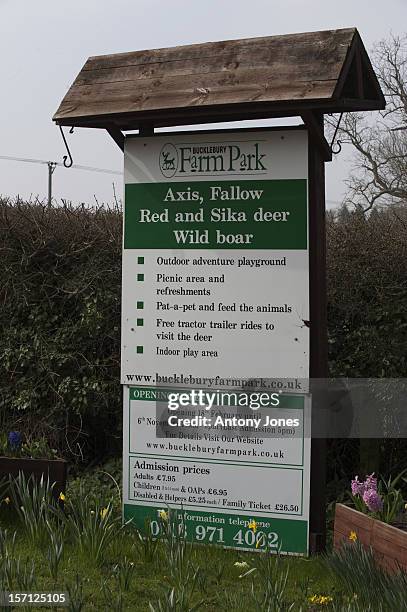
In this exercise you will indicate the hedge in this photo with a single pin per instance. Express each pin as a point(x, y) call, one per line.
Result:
point(60, 316)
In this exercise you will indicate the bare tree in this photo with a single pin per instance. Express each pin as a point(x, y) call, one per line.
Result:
point(380, 172)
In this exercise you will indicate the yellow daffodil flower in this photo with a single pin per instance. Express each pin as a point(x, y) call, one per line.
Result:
point(252, 525)
point(62, 497)
point(163, 515)
point(320, 600)
point(353, 536)
point(241, 564)
point(103, 512)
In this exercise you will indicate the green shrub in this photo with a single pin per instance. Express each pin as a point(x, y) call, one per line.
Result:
point(60, 323)
point(59, 326)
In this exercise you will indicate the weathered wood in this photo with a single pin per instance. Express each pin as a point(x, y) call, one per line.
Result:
point(214, 114)
point(316, 131)
point(198, 90)
point(310, 62)
point(299, 70)
point(146, 130)
point(388, 543)
point(357, 76)
point(117, 135)
point(288, 44)
point(347, 520)
point(318, 367)
point(69, 109)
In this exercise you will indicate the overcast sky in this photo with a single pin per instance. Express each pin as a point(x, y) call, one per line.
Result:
point(44, 44)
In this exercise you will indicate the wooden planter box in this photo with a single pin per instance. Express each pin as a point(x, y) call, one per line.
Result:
point(55, 469)
point(388, 543)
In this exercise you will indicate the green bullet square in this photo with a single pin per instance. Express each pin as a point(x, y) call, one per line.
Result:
point(140, 322)
point(139, 350)
point(140, 260)
point(140, 277)
point(140, 305)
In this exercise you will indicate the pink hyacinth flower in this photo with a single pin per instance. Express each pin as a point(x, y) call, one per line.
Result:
point(373, 500)
point(371, 483)
point(358, 488)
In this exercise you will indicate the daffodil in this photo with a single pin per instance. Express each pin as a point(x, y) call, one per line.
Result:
point(320, 600)
point(103, 512)
point(163, 515)
point(7, 500)
point(241, 564)
point(252, 525)
point(353, 536)
point(62, 497)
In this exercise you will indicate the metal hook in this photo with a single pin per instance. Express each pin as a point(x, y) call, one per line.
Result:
point(65, 157)
point(338, 143)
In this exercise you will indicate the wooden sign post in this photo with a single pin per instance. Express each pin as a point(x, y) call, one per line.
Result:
point(304, 75)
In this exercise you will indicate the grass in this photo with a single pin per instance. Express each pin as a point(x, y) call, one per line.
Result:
point(105, 583)
point(105, 566)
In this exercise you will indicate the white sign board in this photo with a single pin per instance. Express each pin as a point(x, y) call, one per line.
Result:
point(215, 293)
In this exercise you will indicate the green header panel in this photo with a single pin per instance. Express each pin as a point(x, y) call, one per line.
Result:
point(270, 214)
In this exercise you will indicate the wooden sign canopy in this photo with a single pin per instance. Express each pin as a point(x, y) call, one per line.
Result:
point(276, 76)
point(305, 75)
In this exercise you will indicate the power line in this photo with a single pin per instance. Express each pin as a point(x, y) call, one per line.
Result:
point(44, 162)
point(51, 168)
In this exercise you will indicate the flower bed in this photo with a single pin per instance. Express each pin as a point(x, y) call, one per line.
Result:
point(379, 511)
point(388, 543)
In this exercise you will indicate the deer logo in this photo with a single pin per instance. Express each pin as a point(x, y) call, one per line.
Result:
point(168, 160)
